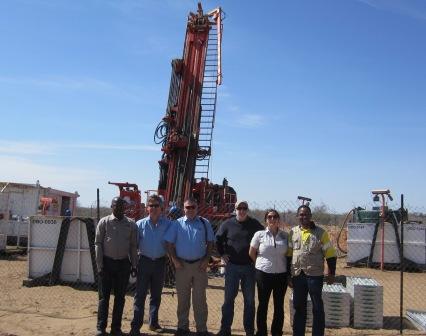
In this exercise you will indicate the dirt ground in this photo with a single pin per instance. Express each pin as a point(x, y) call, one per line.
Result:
point(62, 310)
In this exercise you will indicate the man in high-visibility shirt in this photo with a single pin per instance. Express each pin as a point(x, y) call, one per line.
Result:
point(308, 246)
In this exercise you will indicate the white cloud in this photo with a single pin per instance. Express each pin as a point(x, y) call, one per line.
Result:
point(414, 9)
point(79, 84)
point(43, 148)
point(22, 170)
point(84, 83)
point(144, 148)
point(234, 108)
point(251, 120)
point(24, 148)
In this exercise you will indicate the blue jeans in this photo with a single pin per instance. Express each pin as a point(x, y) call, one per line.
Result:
point(234, 274)
point(302, 285)
point(150, 276)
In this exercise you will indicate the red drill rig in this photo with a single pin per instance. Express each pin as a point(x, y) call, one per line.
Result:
point(130, 192)
point(186, 131)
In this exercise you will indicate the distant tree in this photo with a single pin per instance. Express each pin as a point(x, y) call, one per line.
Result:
point(91, 212)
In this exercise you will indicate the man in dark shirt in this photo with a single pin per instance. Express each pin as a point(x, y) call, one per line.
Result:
point(233, 243)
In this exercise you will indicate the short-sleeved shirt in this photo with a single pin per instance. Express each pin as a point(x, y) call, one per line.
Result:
point(189, 237)
point(151, 237)
point(271, 251)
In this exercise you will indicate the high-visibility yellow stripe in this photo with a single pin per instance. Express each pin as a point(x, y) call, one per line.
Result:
point(327, 246)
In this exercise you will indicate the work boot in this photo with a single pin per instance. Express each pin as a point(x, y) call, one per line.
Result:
point(223, 333)
point(156, 328)
point(182, 332)
point(134, 332)
point(202, 333)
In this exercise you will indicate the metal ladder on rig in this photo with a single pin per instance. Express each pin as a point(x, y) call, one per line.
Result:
point(208, 106)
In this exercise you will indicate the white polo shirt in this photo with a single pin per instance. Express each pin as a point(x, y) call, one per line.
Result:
point(271, 251)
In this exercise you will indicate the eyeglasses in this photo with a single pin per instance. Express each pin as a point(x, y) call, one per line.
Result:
point(154, 205)
point(190, 207)
point(242, 208)
point(272, 217)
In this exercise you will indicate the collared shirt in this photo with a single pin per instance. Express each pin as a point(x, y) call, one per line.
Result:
point(116, 239)
point(189, 237)
point(327, 248)
point(271, 251)
point(151, 237)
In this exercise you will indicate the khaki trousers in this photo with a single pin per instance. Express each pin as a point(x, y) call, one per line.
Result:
point(187, 278)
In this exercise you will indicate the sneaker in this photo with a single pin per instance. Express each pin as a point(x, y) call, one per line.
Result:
point(100, 333)
point(156, 328)
point(182, 332)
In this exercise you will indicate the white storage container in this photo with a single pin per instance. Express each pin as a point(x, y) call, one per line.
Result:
point(360, 237)
point(367, 297)
point(43, 240)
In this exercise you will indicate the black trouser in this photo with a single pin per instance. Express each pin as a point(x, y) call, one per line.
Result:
point(115, 276)
point(267, 283)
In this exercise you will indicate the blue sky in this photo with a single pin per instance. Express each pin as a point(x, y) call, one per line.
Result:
point(319, 98)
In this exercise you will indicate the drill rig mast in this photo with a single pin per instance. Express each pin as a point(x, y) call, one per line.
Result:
point(186, 130)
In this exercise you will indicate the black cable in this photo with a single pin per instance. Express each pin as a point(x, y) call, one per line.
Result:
point(161, 132)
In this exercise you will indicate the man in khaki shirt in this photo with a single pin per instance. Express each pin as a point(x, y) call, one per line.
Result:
point(116, 259)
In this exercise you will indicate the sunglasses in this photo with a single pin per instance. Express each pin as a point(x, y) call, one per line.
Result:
point(190, 207)
point(154, 205)
point(242, 208)
point(272, 217)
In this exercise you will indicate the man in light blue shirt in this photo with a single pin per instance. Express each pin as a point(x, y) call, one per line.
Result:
point(151, 265)
point(190, 241)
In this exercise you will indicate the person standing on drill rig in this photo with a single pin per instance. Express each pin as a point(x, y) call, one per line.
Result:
point(308, 246)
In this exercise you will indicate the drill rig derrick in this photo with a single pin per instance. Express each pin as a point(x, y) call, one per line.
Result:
point(185, 132)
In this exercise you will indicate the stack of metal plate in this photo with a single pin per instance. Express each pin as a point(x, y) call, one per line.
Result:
point(367, 296)
point(308, 311)
point(337, 305)
point(418, 318)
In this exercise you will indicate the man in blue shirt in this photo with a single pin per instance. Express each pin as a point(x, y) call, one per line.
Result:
point(151, 265)
point(190, 242)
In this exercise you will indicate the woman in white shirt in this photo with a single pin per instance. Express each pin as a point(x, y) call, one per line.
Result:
point(268, 250)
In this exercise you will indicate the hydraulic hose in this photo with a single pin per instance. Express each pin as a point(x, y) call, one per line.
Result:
point(344, 223)
point(161, 132)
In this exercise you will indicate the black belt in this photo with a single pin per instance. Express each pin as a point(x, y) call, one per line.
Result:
point(152, 259)
point(117, 260)
point(191, 261)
